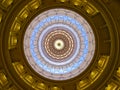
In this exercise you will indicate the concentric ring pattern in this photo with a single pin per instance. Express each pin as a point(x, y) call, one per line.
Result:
point(59, 44)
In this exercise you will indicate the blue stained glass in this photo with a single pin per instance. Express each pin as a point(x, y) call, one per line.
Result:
point(60, 17)
point(31, 42)
point(61, 70)
point(85, 38)
point(69, 69)
point(36, 27)
point(38, 62)
point(44, 21)
point(45, 67)
point(48, 19)
point(74, 22)
point(52, 70)
point(81, 59)
point(86, 42)
point(34, 33)
point(69, 19)
point(41, 24)
point(75, 65)
point(64, 18)
point(85, 51)
point(79, 62)
point(52, 17)
point(57, 71)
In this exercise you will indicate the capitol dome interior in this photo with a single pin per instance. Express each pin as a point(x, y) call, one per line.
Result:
point(59, 44)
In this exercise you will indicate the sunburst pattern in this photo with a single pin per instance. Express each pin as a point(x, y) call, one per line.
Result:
point(60, 44)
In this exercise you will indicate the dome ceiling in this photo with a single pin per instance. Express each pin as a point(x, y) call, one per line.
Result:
point(59, 45)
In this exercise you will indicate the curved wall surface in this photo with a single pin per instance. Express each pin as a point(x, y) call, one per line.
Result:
point(59, 45)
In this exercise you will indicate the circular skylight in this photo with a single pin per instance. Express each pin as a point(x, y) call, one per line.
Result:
point(59, 44)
